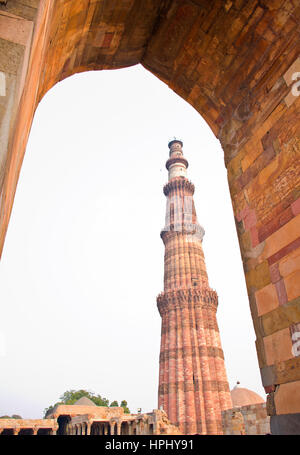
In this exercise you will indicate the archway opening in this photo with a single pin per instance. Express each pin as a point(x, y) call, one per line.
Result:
point(151, 430)
point(44, 431)
point(125, 428)
point(7, 431)
point(63, 421)
point(26, 432)
point(125, 170)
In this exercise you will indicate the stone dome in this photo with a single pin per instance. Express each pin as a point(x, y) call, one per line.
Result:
point(84, 401)
point(241, 396)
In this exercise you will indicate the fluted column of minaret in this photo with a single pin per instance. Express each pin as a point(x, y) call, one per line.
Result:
point(193, 386)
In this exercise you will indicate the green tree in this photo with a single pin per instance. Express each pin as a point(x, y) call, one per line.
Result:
point(71, 396)
point(114, 404)
point(125, 407)
point(14, 416)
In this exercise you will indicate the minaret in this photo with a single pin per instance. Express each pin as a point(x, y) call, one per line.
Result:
point(193, 386)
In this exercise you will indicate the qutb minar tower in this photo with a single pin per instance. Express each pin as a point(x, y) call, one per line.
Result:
point(193, 386)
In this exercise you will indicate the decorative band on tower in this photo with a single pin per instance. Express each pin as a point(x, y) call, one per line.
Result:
point(193, 387)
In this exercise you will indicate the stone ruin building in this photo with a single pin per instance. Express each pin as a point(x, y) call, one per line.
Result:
point(248, 416)
point(85, 418)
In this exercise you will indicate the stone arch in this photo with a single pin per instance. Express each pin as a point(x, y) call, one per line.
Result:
point(44, 431)
point(26, 432)
point(240, 81)
point(8, 431)
point(63, 422)
point(96, 428)
point(125, 428)
point(151, 428)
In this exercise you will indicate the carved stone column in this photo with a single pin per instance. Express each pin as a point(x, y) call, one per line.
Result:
point(88, 429)
point(112, 427)
point(119, 427)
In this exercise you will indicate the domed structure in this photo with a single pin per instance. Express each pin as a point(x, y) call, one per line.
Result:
point(84, 401)
point(244, 397)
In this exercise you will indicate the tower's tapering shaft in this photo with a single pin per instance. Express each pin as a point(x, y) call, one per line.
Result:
point(193, 386)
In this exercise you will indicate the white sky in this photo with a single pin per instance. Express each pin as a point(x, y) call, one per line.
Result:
point(83, 259)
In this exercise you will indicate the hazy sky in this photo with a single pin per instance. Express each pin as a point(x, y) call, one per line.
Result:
point(83, 259)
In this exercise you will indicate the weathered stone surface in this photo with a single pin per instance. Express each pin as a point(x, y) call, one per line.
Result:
point(266, 299)
point(267, 375)
point(13, 56)
point(278, 346)
point(85, 419)
point(25, 8)
point(28, 426)
point(287, 371)
point(285, 424)
point(292, 284)
point(285, 235)
point(282, 317)
point(258, 278)
point(249, 420)
point(287, 398)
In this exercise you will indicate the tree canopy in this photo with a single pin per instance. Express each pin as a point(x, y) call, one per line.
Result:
point(124, 405)
point(114, 404)
point(71, 396)
point(14, 416)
